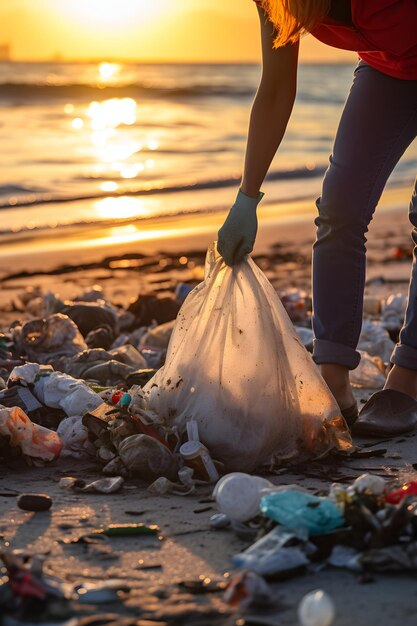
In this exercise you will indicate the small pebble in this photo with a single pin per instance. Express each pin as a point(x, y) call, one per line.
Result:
point(34, 502)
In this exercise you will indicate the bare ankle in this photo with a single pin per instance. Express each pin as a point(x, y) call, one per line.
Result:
point(337, 379)
point(402, 379)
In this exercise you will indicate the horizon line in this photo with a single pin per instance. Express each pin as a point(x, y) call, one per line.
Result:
point(164, 61)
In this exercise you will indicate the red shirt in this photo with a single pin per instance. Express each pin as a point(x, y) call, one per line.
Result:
point(384, 33)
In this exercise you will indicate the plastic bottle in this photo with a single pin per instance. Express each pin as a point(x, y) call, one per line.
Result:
point(196, 456)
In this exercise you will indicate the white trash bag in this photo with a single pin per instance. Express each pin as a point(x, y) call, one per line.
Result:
point(236, 365)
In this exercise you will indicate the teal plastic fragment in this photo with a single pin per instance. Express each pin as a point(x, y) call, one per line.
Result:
point(302, 511)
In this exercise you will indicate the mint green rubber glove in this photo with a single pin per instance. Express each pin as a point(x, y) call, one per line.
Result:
point(236, 237)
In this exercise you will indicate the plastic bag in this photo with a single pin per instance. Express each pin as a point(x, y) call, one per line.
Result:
point(34, 441)
point(375, 340)
point(69, 394)
point(278, 551)
point(236, 365)
point(302, 511)
point(74, 436)
point(43, 340)
point(369, 373)
point(147, 458)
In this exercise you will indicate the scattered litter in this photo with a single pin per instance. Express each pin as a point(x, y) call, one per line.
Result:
point(302, 511)
point(219, 521)
point(196, 456)
point(316, 609)
point(147, 393)
point(238, 495)
point(34, 441)
point(370, 372)
point(101, 593)
point(147, 458)
point(128, 530)
point(45, 339)
point(393, 312)
point(375, 340)
point(248, 589)
point(27, 593)
point(103, 485)
point(275, 554)
point(396, 496)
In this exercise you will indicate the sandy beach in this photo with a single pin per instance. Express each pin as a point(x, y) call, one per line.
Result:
point(124, 126)
point(127, 260)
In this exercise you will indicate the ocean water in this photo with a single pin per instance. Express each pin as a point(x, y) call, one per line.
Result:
point(138, 140)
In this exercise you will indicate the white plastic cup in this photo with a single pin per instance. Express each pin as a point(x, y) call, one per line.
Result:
point(238, 495)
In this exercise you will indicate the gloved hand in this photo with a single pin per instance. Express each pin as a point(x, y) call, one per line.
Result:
point(236, 237)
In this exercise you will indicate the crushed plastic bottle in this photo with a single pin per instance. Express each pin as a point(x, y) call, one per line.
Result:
point(238, 495)
point(302, 511)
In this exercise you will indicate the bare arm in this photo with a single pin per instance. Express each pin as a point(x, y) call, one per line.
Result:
point(271, 108)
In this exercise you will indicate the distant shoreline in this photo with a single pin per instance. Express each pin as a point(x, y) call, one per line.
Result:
point(161, 62)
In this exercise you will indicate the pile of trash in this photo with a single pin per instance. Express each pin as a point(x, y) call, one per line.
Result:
point(160, 390)
point(369, 526)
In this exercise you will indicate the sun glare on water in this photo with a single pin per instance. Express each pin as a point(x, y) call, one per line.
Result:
point(107, 71)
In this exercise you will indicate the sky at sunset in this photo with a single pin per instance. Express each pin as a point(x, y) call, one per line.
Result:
point(152, 30)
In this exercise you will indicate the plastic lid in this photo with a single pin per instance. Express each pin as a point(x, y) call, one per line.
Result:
point(190, 448)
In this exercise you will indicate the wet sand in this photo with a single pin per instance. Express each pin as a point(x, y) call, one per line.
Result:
point(130, 257)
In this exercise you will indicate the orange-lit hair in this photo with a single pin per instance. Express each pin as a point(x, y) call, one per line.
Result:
point(292, 18)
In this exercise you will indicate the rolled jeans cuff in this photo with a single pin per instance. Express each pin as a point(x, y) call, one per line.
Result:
point(330, 352)
point(404, 356)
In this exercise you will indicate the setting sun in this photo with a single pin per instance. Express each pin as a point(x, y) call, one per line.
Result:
point(115, 13)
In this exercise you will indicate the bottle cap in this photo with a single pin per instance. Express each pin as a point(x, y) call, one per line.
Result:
point(190, 449)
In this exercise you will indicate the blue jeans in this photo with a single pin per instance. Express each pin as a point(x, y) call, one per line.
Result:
point(378, 123)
